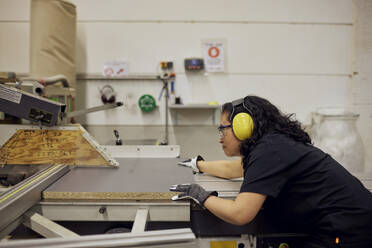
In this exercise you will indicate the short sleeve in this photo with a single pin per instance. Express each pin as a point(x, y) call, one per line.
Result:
point(267, 170)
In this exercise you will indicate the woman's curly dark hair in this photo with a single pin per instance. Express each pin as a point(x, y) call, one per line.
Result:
point(267, 119)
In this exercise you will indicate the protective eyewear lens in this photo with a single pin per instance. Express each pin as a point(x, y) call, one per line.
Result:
point(221, 129)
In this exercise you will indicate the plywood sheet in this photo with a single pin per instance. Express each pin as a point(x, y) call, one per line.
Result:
point(50, 147)
point(107, 196)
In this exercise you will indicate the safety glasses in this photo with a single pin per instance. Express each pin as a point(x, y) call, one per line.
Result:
point(221, 129)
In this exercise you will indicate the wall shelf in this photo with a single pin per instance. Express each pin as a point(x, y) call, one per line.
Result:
point(180, 107)
point(193, 106)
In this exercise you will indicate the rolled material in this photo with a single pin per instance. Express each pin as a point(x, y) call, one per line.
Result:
point(53, 39)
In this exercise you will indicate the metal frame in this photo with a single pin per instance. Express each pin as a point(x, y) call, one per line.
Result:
point(46, 227)
point(140, 221)
point(15, 202)
point(113, 211)
point(164, 238)
point(98, 147)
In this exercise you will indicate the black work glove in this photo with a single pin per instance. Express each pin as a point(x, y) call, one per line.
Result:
point(192, 163)
point(192, 191)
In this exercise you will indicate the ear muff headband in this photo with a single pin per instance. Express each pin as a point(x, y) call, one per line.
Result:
point(242, 123)
point(107, 94)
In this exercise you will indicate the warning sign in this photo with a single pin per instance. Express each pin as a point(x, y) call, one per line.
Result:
point(116, 68)
point(214, 56)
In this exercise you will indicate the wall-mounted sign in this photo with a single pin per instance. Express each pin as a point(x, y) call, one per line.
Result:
point(214, 60)
point(116, 68)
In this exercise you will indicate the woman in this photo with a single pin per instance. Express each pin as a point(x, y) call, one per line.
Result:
point(296, 183)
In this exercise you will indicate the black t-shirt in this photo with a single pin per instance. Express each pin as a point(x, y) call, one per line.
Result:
point(309, 192)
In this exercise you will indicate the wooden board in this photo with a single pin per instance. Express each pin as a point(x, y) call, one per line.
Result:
point(106, 196)
point(50, 147)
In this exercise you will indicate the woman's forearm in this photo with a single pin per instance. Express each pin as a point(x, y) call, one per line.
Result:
point(222, 168)
point(240, 211)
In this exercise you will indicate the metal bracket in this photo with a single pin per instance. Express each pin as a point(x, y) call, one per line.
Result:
point(46, 227)
point(98, 147)
point(140, 222)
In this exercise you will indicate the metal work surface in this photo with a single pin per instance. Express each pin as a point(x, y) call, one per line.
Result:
point(136, 178)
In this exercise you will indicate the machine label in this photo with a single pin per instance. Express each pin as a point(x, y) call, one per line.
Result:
point(223, 244)
point(9, 94)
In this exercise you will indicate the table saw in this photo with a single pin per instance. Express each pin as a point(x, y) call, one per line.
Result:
point(115, 196)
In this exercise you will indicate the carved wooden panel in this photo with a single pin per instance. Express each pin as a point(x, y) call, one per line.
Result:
point(50, 147)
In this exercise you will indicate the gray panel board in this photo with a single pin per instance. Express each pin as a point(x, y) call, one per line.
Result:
point(133, 175)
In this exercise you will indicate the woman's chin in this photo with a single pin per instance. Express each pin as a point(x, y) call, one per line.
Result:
point(227, 153)
point(231, 154)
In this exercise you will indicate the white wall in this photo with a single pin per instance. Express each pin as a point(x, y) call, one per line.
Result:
point(362, 73)
point(296, 53)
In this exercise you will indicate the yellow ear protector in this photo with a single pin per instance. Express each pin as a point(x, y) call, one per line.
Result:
point(242, 123)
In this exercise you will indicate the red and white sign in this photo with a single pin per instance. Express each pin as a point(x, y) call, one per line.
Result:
point(116, 68)
point(214, 56)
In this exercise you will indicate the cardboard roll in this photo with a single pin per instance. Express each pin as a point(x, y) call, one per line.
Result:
point(147, 103)
point(53, 26)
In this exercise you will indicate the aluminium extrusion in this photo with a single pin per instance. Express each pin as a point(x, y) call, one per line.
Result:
point(140, 221)
point(99, 148)
point(24, 195)
point(46, 227)
point(175, 238)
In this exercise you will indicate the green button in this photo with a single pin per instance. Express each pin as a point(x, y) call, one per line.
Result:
point(147, 103)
